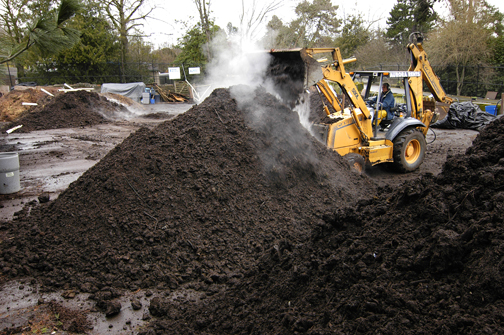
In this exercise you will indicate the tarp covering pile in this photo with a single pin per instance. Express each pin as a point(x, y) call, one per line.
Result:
point(131, 90)
point(464, 115)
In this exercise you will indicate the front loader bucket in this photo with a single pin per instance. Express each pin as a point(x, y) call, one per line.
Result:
point(292, 71)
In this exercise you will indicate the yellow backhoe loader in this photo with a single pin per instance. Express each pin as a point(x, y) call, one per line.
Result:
point(352, 130)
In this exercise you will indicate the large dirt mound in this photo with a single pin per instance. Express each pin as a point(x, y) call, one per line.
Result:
point(66, 110)
point(196, 199)
point(426, 258)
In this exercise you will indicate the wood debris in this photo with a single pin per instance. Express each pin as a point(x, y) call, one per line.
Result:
point(169, 96)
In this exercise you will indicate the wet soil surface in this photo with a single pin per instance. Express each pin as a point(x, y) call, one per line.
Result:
point(51, 159)
point(231, 218)
point(441, 144)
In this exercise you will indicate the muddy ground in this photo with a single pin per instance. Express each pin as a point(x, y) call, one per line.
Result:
point(231, 219)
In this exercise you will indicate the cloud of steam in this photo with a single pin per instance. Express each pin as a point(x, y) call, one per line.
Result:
point(242, 66)
point(303, 110)
point(237, 61)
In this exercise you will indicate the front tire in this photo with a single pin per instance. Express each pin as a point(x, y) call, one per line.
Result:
point(409, 150)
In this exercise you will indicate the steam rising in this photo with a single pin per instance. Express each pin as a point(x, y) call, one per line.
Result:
point(242, 66)
point(303, 110)
point(238, 61)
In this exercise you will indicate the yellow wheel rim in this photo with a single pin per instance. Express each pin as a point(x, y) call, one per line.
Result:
point(412, 152)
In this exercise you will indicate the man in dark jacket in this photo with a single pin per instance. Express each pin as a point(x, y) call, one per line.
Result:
point(387, 101)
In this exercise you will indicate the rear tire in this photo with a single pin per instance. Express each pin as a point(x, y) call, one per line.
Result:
point(409, 150)
point(356, 162)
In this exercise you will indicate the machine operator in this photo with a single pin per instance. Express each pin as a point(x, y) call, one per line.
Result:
point(387, 101)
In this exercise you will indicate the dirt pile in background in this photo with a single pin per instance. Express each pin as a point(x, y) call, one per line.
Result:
point(195, 200)
point(426, 258)
point(11, 104)
point(51, 316)
point(67, 110)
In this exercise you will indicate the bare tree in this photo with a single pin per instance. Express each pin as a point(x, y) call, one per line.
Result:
point(461, 39)
point(126, 16)
point(252, 18)
point(12, 18)
point(203, 7)
point(377, 53)
point(204, 14)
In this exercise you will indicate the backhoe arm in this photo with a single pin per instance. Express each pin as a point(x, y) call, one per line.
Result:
point(419, 62)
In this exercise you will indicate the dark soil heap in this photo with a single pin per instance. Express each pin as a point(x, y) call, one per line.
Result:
point(196, 199)
point(71, 109)
point(426, 258)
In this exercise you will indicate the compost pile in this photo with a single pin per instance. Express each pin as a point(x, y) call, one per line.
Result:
point(426, 258)
point(195, 200)
point(11, 104)
point(71, 109)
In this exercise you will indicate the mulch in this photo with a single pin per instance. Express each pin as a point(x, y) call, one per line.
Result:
point(236, 201)
point(67, 110)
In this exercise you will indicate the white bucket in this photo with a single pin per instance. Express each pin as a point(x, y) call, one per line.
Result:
point(9, 172)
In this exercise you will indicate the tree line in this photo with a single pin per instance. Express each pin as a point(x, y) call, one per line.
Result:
point(104, 39)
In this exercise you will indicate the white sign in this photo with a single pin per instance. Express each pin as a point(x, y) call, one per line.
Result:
point(174, 73)
point(399, 74)
point(194, 70)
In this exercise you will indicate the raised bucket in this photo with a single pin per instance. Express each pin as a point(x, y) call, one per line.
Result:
point(9, 172)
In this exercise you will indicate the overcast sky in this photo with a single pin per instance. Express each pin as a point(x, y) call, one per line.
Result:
point(164, 28)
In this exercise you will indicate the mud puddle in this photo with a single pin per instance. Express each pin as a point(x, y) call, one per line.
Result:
point(50, 160)
point(20, 306)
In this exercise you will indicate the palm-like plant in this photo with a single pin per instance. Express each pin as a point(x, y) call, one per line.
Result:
point(47, 34)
